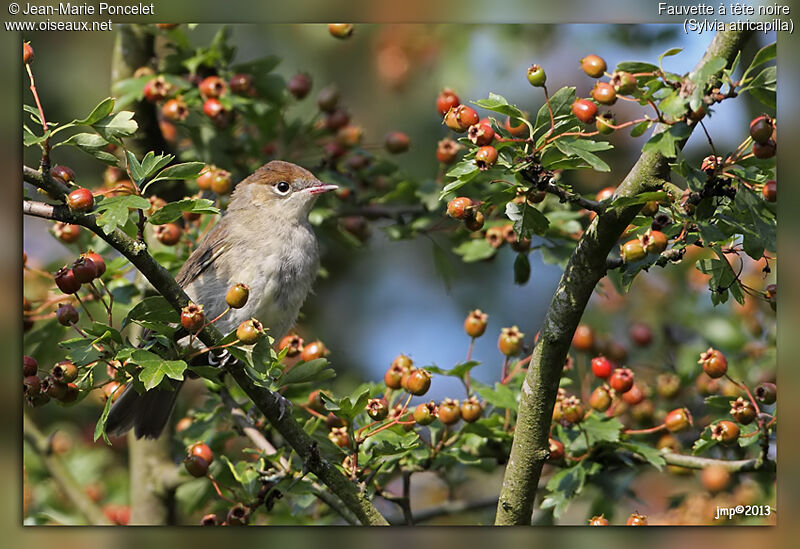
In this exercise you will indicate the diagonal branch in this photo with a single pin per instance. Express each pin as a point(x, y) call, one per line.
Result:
point(585, 268)
point(273, 405)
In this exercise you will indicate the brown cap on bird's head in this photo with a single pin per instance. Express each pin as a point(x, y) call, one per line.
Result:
point(289, 187)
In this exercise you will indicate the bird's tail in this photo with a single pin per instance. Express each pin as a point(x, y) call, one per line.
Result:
point(147, 413)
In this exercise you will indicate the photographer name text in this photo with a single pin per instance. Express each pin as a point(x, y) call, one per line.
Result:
point(103, 8)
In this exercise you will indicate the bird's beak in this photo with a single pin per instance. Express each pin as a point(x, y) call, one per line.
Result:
point(321, 187)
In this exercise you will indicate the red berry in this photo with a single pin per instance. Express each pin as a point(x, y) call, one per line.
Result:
point(212, 86)
point(29, 366)
point(196, 466)
point(715, 478)
point(393, 378)
point(481, 133)
point(314, 350)
point(637, 519)
point(486, 157)
point(654, 242)
point(236, 298)
point(446, 100)
point(678, 420)
point(175, 109)
point(510, 341)
point(770, 191)
point(743, 411)
point(249, 331)
point(113, 390)
point(66, 314)
point(515, 130)
point(32, 385)
point(471, 410)
point(572, 410)
point(449, 411)
point(397, 142)
point(583, 339)
point(641, 334)
point(725, 431)
point(221, 182)
point(604, 93)
point(336, 120)
point(27, 53)
point(556, 450)
point(624, 82)
point(634, 396)
point(460, 118)
point(593, 65)
point(98, 261)
point(157, 89)
point(766, 393)
point(602, 367)
point(536, 76)
point(80, 200)
point(84, 270)
point(621, 380)
point(70, 394)
point(475, 323)
point(213, 107)
point(418, 382)
point(584, 110)
point(206, 177)
point(293, 342)
point(241, 84)
point(168, 234)
point(328, 98)
point(299, 85)
point(377, 408)
point(714, 363)
point(605, 124)
point(64, 371)
point(66, 281)
point(474, 221)
point(64, 173)
point(192, 317)
point(632, 250)
point(339, 436)
point(202, 450)
point(447, 151)
point(604, 193)
point(761, 129)
point(341, 30)
point(764, 150)
point(598, 520)
point(425, 414)
point(209, 520)
point(600, 399)
point(459, 207)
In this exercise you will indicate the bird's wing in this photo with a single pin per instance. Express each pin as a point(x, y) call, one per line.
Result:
point(210, 248)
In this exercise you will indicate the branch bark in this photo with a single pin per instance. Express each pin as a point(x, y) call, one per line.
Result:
point(585, 268)
point(734, 466)
point(273, 405)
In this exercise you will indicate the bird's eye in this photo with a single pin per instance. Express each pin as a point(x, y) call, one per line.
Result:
point(282, 187)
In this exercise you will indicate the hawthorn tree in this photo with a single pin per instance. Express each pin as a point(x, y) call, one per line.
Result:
point(271, 427)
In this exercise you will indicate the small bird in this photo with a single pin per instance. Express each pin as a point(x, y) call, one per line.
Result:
point(265, 241)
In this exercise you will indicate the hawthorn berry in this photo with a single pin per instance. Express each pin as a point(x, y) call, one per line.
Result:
point(471, 410)
point(328, 98)
point(447, 151)
point(654, 242)
point(53, 388)
point(474, 221)
point(418, 382)
point(584, 110)
point(71, 393)
point(641, 334)
point(572, 410)
point(602, 367)
point(80, 200)
point(446, 100)
point(459, 207)
point(460, 118)
point(206, 177)
point(593, 65)
point(604, 93)
point(650, 208)
point(481, 133)
point(27, 53)
point(556, 449)
point(84, 270)
point(202, 450)
point(209, 520)
point(743, 411)
point(677, 420)
point(634, 396)
point(314, 350)
point(449, 411)
point(393, 378)
point(241, 84)
point(764, 150)
point(334, 421)
point(350, 136)
point(486, 157)
point(168, 234)
point(212, 86)
point(213, 108)
point(761, 128)
point(196, 466)
point(515, 130)
point(632, 250)
point(98, 261)
point(339, 436)
point(157, 89)
point(221, 182)
point(64, 173)
point(637, 519)
point(510, 341)
point(715, 478)
point(32, 385)
point(621, 380)
point(770, 191)
point(192, 317)
point(377, 408)
point(583, 338)
point(600, 399)
point(604, 193)
point(403, 361)
point(341, 30)
point(725, 431)
point(425, 413)
point(475, 323)
point(604, 123)
point(766, 393)
point(397, 142)
point(623, 82)
point(299, 85)
point(336, 120)
point(66, 314)
point(536, 76)
point(175, 109)
point(714, 363)
point(66, 281)
point(113, 389)
point(668, 385)
point(249, 331)
point(598, 520)
point(29, 366)
point(236, 298)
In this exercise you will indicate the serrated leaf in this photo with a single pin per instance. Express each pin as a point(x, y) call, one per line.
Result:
point(581, 148)
point(710, 68)
point(667, 142)
point(314, 370)
point(527, 219)
point(174, 210)
point(154, 370)
point(501, 396)
point(115, 126)
point(498, 103)
point(185, 170)
point(474, 250)
point(642, 198)
point(673, 106)
point(102, 110)
point(636, 66)
point(460, 370)
point(765, 54)
point(640, 128)
point(648, 453)
point(560, 102)
point(113, 212)
point(151, 309)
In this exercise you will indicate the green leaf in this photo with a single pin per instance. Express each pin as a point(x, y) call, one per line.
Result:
point(522, 269)
point(173, 210)
point(501, 396)
point(601, 429)
point(115, 126)
point(151, 309)
point(460, 370)
point(186, 170)
point(636, 66)
point(498, 103)
point(581, 148)
point(765, 54)
point(314, 370)
point(98, 113)
point(561, 103)
point(673, 106)
point(351, 406)
point(667, 142)
point(640, 128)
point(566, 484)
point(80, 350)
point(100, 427)
point(642, 198)
point(648, 453)
point(33, 112)
point(668, 53)
point(703, 76)
point(155, 368)
point(474, 250)
point(527, 219)
point(113, 212)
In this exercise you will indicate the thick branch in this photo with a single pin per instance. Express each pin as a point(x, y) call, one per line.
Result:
point(273, 405)
point(586, 267)
point(734, 466)
point(41, 445)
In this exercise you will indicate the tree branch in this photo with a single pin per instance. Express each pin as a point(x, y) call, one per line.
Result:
point(734, 466)
point(273, 405)
point(41, 445)
point(584, 270)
